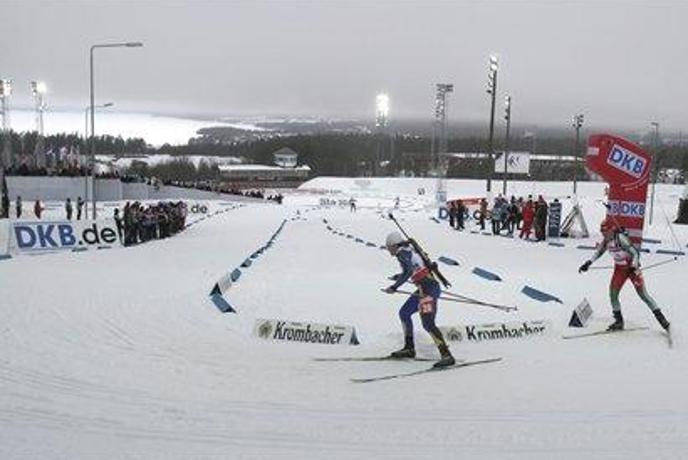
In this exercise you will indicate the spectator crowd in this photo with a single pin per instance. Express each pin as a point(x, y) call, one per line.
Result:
point(208, 186)
point(139, 223)
point(528, 216)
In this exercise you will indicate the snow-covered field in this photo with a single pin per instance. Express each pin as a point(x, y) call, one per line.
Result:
point(121, 353)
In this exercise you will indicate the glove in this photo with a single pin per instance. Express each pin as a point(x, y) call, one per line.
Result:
point(584, 268)
point(390, 290)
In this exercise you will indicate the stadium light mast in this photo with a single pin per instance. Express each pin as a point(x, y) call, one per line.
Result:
point(577, 124)
point(439, 132)
point(381, 124)
point(492, 91)
point(38, 91)
point(5, 93)
point(438, 145)
point(655, 147)
point(507, 118)
point(93, 107)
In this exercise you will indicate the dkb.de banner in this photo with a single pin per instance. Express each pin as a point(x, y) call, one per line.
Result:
point(38, 236)
point(626, 168)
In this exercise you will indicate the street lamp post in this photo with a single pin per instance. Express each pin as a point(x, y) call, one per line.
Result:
point(507, 117)
point(577, 124)
point(492, 91)
point(93, 125)
point(655, 146)
point(86, 110)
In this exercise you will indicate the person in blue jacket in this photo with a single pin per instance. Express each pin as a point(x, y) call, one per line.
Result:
point(423, 300)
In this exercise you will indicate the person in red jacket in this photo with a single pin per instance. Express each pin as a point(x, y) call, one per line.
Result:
point(528, 217)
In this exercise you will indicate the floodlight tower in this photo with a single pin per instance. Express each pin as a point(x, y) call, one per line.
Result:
point(5, 93)
point(381, 124)
point(439, 131)
point(492, 91)
point(438, 145)
point(577, 124)
point(38, 90)
point(507, 139)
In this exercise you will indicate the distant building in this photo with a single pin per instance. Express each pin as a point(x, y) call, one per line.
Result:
point(285, 157)
point(285, 175)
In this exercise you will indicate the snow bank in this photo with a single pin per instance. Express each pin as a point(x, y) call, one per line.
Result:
point(121, 353)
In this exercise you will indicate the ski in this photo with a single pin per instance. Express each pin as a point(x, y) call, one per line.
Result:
point(604, 332)
point(371, 358)
point(425, 371)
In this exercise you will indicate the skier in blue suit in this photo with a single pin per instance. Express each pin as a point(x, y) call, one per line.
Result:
point(423, 300)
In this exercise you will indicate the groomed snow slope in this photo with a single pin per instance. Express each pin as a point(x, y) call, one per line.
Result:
point(120, 354)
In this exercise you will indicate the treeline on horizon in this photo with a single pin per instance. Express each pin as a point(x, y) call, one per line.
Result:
point(343, 154)
point(25, 143)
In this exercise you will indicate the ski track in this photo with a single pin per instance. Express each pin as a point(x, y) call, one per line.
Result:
point(120, 354)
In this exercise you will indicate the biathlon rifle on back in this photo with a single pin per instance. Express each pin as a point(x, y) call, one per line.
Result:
point(429, 263)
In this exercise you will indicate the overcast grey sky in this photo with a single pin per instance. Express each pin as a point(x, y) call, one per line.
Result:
point(622, 63)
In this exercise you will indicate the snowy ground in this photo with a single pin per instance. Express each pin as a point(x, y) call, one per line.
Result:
point(120, 353)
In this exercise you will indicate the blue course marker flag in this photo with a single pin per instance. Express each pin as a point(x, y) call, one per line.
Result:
point(538, 295)
point(447, 260)
point(222, 304)
point(486, 274)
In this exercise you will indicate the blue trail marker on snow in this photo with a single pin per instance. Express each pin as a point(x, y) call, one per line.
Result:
point(447, 260)
point(481, 272)
point(222, 304)
point(538, 295)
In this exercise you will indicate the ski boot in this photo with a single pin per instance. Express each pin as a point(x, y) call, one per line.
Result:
point(618, 323)
point(661, 319)
point(408, 351)
point(446, 358)
point(404, 353)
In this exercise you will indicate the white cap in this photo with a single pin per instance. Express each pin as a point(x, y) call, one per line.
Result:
point(394, 239)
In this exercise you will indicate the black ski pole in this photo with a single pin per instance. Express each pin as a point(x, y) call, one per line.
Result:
point(642, 269)
point(466, 301)
point(664, 262)
point(479, 302)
